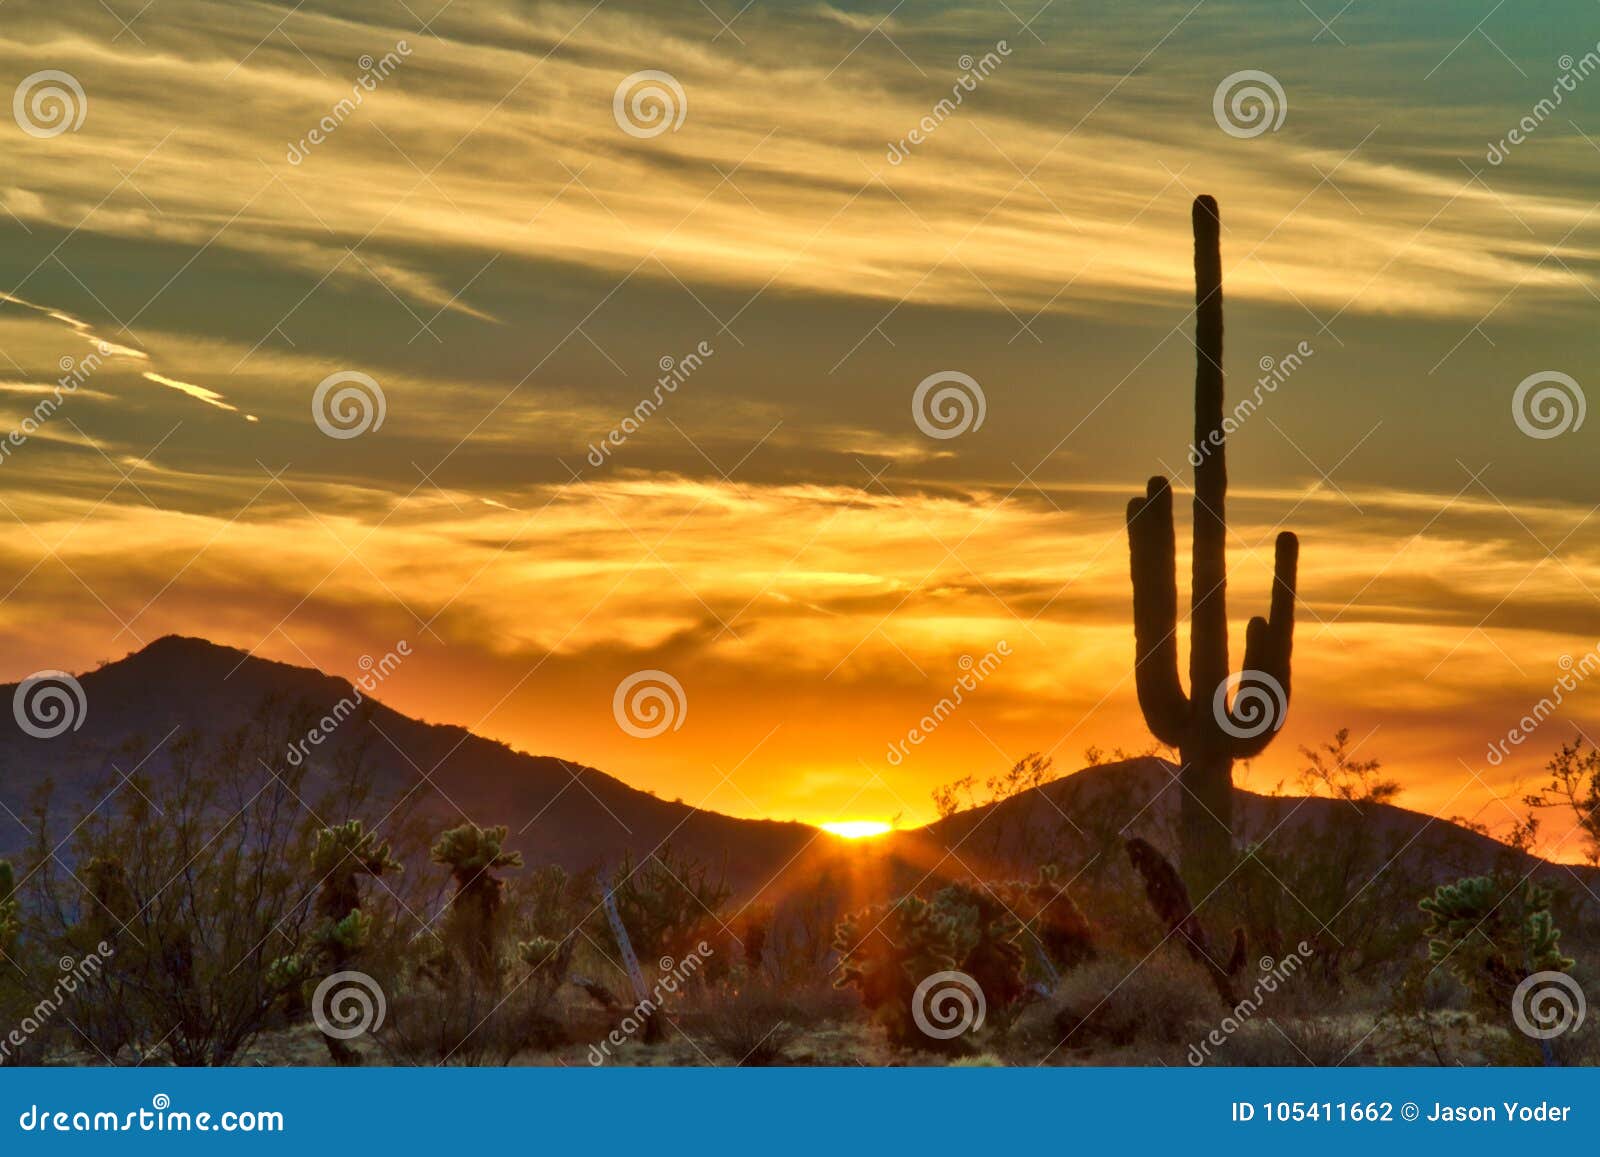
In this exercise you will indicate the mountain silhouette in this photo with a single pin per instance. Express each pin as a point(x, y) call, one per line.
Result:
point(565, 812)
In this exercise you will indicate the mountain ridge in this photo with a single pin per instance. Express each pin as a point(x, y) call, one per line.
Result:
point(569, 813)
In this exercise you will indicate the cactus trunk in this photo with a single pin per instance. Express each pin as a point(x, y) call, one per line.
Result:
point(1208, 731)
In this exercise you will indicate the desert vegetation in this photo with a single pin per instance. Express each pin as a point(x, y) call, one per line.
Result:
point(219, 908)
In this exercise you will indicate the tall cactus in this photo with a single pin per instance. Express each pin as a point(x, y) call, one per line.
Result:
point(1208, 730)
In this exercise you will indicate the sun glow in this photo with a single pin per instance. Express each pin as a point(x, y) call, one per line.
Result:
point(856, 829)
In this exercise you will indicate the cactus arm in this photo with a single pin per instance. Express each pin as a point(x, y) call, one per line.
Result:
point(1268, 642)
point(1152, 550)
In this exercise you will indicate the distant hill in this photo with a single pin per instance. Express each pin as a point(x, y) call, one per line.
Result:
point(565, 812)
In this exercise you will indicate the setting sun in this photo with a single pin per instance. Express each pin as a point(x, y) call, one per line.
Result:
point(856, 829)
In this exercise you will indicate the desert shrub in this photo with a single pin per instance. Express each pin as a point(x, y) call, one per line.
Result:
point(15, 974)
point(669, 903)
point(978, 1061)
point(1345, 888)
point(1287, 1042)
point(467, 1022)
point(195, 879)
point(750, 1021)
point(1118, 1000)
point(1575, 787)
point(798, 947)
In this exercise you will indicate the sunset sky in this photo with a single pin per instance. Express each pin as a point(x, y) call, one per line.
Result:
point(482, 238)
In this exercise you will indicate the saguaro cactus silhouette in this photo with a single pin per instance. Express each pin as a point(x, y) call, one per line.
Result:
point(1208, 729)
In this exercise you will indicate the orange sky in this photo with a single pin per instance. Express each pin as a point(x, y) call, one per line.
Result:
point(481, 239)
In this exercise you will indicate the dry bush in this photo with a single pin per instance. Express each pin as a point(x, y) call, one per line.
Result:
point(1285, 1042)
point(751, 1024)
point(1118, 1000)
point(465, 1023)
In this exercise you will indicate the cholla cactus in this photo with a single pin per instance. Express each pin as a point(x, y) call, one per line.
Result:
point(343, 854)
point(1493, 933)
point(472, 853)
point(984, 939)
point(1050, 917)
point(885, 952)
point(547, 961)
point(994, 933)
